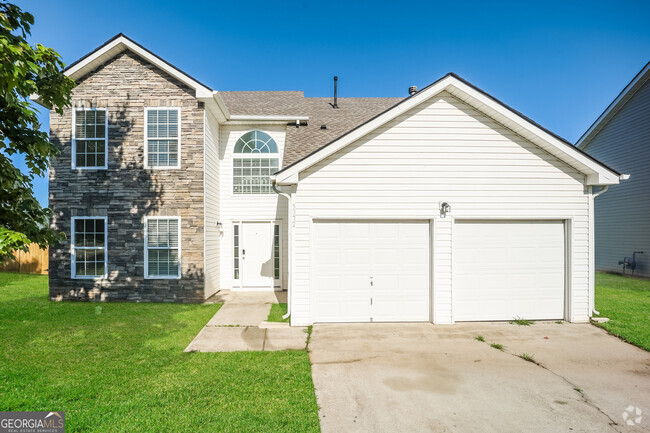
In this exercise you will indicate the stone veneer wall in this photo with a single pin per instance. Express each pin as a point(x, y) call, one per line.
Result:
point(127, 192)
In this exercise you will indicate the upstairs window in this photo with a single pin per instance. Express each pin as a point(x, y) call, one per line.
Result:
point(90, 138)
point(255, 159)
point(163, 143)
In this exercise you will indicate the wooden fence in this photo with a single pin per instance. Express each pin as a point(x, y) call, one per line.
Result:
point(34, 261)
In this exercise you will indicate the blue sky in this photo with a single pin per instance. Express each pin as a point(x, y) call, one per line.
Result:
point(560, 63)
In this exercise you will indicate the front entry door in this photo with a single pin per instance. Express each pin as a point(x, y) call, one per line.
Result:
point(257, 255)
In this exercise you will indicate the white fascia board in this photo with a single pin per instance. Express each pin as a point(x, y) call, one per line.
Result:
point(216, 106)
point(596, 175)
point(122, 43)
point(615, 106)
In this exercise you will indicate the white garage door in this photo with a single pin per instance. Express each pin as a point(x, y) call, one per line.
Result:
point(507, 269)
point(371, 271)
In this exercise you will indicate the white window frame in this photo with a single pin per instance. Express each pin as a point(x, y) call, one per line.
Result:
point(146, 248)
point(74, 139)
point(253, 156)
point(146, 139)
point(73, 253)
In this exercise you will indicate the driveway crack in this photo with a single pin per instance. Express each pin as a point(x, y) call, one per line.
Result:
point(613, 424)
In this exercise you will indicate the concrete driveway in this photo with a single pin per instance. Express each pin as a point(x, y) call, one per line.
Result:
point(421, 377)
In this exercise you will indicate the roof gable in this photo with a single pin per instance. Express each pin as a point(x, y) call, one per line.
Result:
point(120, 43)
point(617, 104)
point(596, 172)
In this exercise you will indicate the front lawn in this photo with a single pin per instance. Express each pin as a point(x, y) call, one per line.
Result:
point(626, 302)
point(120, 367)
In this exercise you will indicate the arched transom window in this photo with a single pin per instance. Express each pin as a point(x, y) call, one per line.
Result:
point(255, 159)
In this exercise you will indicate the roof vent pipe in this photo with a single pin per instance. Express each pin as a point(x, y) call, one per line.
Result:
point(413, 90)
point(336, 105)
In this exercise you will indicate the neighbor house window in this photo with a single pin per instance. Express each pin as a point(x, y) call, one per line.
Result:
point(162, 247)
point(162, 126)
point(236, 251)
point(90, 138)
point(89, 240)
point(255, 159)
point(276, 252)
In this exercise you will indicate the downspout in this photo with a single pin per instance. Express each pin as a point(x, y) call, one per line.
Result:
point(289, 239)
point(592, 247)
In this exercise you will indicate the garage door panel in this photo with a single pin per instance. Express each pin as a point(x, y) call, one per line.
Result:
point(523, 275)
point(394, 253)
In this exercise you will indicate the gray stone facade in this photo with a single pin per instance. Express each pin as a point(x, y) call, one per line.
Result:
point(127, 192)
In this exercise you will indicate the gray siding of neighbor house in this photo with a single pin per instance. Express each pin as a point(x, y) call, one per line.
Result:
point(622, 214)
point(127, 192)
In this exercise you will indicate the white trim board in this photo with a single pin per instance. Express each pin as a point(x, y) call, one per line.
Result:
point(121, 43)
point(596, 173)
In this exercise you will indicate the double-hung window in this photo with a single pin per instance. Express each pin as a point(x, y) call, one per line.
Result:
point(255, 159)
point(163, 142)
point(90, 138)
point(89, 238)
point(162, 247)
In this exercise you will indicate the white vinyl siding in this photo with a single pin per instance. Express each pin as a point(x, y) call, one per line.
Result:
point(442, 150)
point(162, 132)
point(90, 138)
point(212, 211)
point(622, 214)
point(89, 247)
point(236, 208)
point(162, 247)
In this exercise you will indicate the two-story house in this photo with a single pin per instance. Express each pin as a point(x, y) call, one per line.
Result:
point(446, 205)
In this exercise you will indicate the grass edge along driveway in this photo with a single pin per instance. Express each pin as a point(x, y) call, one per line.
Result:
point(626, 302)
point(120, 367)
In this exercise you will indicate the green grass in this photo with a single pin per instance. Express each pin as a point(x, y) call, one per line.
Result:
point(521, 322)
point(479, 338)
point(497, 346)
point(120, 367)
point(528, 357)
point(626, 302)
point(277, 311)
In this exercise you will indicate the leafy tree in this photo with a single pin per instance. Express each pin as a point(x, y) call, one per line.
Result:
point(25, 70)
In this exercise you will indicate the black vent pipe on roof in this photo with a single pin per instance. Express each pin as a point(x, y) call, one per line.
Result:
point(335, 105)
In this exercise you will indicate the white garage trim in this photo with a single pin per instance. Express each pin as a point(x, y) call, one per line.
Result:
point(419, 289)
point(567, 242)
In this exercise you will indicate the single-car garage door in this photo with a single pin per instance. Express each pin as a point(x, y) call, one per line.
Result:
point(508, 269)
point(370, 271)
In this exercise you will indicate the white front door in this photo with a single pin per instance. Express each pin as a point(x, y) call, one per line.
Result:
point(371, 271)
point(508, 269)
point(257, 255)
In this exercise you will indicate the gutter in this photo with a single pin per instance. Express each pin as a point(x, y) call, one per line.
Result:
point(289, 198)
point(592, 301)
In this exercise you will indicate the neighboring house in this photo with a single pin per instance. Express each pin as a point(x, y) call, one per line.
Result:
point(443, 206)
point(621, 137)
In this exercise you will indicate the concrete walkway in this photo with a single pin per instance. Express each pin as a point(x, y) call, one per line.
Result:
point(421, 377)
point(239, 325)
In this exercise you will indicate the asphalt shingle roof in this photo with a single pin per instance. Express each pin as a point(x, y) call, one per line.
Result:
point(305, 139)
